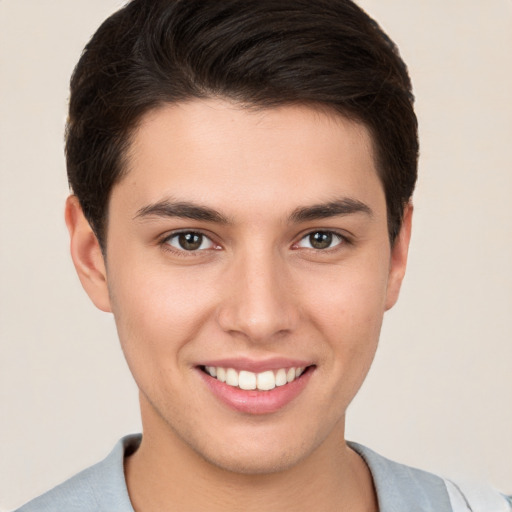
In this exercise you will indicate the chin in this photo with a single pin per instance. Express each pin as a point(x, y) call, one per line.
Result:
point(254, 462)
point(258, 453)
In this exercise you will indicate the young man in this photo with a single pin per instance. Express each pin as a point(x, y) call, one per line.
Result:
point(242, 175)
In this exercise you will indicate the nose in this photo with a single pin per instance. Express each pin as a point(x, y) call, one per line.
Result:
point(259, 302)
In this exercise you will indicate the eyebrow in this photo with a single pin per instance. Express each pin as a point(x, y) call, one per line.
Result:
point(339, 207)
point(182, 209)
point(187, 210)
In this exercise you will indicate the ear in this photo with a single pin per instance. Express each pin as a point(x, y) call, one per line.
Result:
point(86, 254)
point(398, 261)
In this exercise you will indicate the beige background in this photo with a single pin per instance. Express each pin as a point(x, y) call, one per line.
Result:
point(440, 393)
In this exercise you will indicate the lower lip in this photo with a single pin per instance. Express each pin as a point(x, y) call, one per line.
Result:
point(254, 401)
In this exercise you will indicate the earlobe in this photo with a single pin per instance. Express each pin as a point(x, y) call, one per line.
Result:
point(398, 262)
point(86, 254)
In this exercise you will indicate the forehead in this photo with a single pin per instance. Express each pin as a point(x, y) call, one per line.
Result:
point(221, 153)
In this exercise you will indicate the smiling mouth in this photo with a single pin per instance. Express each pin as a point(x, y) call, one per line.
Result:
point(263, 381)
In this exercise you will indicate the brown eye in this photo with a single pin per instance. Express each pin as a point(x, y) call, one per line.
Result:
point(321, 240)
point(190, 241)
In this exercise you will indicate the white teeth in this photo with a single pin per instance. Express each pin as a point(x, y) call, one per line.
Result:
point(246, 380)
point(221, 374)
point(211, 370)
point(232, 377)
point(266, 380)
point(281, 377)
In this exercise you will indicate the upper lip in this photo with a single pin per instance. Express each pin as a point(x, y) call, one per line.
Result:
point(257, 365)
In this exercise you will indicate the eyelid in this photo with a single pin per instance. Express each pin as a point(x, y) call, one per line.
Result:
point(343, 237)
point(164, 241)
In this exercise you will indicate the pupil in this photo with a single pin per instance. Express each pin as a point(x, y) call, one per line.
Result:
point(320, 240)
point(190, 241)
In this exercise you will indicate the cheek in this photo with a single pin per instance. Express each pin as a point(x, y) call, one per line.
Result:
point(348, 311)
point(349, 298)
point(351, 323)
point(158, 310)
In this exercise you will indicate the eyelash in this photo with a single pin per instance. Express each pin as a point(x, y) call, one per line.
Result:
point(341, 240)
point(165, 242)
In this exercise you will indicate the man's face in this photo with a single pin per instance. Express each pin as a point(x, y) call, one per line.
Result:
point(254, 243)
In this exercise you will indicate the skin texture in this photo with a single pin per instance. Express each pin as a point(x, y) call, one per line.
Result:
point(256, 289)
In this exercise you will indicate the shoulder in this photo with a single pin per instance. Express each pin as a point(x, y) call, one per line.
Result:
point(100, 487)
point(473, 496)
point(403, 488)
point(76, 494)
